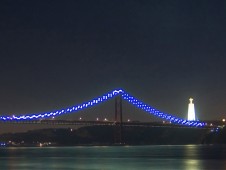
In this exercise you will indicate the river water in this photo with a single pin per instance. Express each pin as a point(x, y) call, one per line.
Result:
point(155, 157)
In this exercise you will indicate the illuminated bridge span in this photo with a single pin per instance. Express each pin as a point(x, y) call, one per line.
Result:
point(119, 92)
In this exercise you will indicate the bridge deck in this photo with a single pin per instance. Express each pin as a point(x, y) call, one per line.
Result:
point(90, 123)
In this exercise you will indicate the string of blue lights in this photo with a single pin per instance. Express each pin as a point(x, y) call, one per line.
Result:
point(137, 103)
point(172, 119)
point(76, 108)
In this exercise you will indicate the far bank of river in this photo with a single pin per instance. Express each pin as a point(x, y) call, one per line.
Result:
point(109, 135)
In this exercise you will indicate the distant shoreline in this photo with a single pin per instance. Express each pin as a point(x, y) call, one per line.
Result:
point(108, 136)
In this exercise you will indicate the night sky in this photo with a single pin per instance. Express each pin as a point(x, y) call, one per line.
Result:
point(56, 53)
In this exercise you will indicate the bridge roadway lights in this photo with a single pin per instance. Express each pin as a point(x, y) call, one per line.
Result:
point(117, 125)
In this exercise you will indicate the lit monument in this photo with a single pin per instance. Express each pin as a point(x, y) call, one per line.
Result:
point(191, 111)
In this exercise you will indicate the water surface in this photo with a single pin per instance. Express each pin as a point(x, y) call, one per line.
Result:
point(181, 157)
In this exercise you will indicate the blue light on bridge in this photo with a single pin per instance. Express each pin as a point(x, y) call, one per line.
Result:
point(2, 144)
point(137, 103)
point(63, 111)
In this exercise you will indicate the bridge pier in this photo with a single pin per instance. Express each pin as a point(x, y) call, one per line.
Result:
point(118, 135)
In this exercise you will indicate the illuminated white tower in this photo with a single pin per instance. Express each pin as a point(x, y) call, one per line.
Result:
point(191, 111)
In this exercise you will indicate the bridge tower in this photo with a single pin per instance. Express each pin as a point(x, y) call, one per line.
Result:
point(118, 120)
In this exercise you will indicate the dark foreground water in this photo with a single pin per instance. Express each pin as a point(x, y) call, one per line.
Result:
point(181, 157)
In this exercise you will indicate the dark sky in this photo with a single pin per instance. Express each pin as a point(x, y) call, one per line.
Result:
point(56, 53)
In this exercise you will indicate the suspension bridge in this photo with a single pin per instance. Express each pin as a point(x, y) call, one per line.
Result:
point(118, 94)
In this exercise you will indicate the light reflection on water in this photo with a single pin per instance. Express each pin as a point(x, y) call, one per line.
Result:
point(181, 157)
